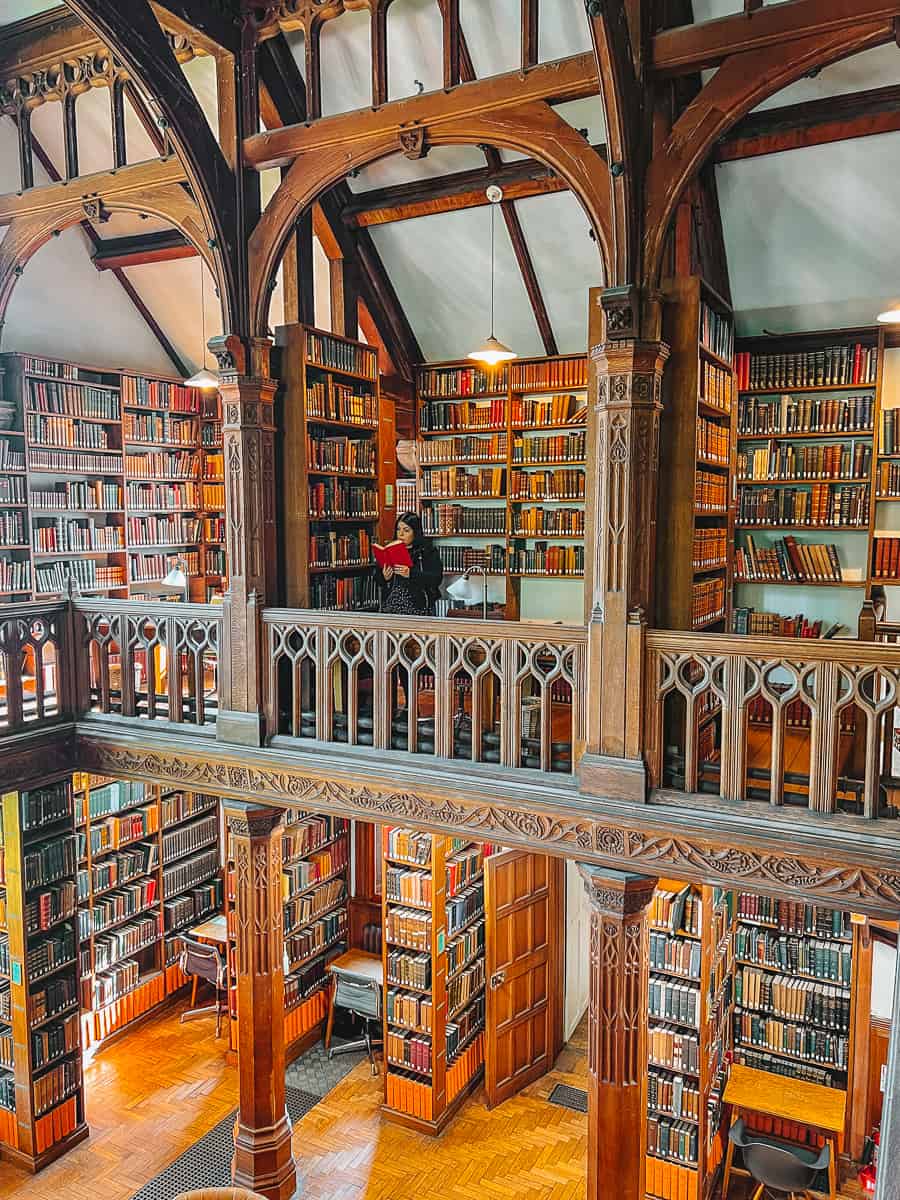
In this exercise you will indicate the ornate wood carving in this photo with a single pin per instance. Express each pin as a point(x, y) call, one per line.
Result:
point(617, 1028)
point(262, 1147)
point(773, 858)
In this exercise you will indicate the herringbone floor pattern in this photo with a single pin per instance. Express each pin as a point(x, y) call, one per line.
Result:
point(160, 1088)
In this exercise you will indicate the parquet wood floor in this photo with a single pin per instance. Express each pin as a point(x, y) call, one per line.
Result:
point(161, 1087)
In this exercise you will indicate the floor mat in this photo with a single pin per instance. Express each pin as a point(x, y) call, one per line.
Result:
point(316, 1073)
point(569, 1097)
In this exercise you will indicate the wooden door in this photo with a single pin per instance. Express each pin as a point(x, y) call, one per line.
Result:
point(524, 926)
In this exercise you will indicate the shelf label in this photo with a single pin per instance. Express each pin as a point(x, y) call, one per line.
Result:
point(16, 972)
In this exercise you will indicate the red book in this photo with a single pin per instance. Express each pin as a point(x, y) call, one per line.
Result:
point(857, 362)
point(394, 554)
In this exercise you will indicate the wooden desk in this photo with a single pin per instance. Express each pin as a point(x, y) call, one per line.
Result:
point(354, 962)
point(821, 1108)
point(214, 931)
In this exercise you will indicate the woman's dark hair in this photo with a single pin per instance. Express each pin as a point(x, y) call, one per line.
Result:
point(414, 521)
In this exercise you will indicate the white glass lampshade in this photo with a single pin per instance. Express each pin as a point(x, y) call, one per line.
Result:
point(204, 379)
point(463, 590)
point(891, 315)
point(492, 352)
point(176, 578)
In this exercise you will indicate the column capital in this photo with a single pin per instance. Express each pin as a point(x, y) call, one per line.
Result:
point(616, 894)
point(247, 820)
point(629, 358)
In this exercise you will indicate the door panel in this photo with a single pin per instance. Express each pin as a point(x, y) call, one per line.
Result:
point(523, 941)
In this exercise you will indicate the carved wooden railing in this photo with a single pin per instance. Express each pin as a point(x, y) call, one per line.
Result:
point(505, 693)
point(155, 661)
point(34, 662)
point(807, 722)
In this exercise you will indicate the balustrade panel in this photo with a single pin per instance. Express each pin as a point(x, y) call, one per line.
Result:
point(33, 649)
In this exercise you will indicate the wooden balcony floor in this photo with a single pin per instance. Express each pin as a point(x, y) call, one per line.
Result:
point(161, 1087)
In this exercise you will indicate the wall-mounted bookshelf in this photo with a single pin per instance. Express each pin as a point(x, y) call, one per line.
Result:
point(315, 855)
point(336, 471)
point(695, 556)
point(104, 482)
point(502, 471)
point(149, 867)
point(434, 971)
point(41, 1096)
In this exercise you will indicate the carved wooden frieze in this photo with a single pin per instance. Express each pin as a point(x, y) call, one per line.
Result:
point(841, 876)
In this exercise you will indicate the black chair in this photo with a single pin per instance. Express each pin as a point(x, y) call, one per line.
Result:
point(779, 1168)
point(201, 961)
point(361, 996)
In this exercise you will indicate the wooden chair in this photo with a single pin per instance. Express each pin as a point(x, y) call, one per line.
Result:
point(221, 1194)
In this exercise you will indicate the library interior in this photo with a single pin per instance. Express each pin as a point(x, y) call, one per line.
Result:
point(449, 600)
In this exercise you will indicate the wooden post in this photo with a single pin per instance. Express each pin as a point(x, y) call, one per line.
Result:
point(887, 1184)
point(248, 435)
point(263, 1161)
point(624, 406)
point(617, 1031)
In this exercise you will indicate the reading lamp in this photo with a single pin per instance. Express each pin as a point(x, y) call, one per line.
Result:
point(177, 578)
point(464, 589)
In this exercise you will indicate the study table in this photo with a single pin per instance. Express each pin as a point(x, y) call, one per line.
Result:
point(821, 1108)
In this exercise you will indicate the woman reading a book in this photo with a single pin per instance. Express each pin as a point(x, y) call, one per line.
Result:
point(411, 571)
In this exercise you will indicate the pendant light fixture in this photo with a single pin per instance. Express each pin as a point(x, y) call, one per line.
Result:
point(204, 379)
point(891, 315)
point(492, 351)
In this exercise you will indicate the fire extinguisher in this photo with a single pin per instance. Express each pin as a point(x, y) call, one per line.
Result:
point(866, 1177)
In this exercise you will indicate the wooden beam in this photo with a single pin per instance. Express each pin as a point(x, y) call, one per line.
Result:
point(529, 277)
point(53, 35)
point(529, 22)
point(128, 181)
point(167, 246)
point(691, 48)
point(454, 201)
point(570, 79)
point(813, 123)
point(200, 21)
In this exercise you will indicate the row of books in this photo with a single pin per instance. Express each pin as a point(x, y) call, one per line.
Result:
point(680, 912)
point(138, 392)
point(184, 839)
point(356, 456)
point(11, 458)
point(331, 401)
point(163, 531)
point(676, 955)
point(407, 887)
point(75, 536)
point(787, 561)
point(68, 461)
point(97, 796)
point(48, 862)
point(309, 833)
point(791, 1039)
point(403, 1008)
point(469, 944)
point(161, 427)
point(713, 441)
point(458, 559)
point(670, 1138)
point(710, 492)
point(543, 559)
point(111, 908)
point(716, 331)
point(182, 911)
point(163, 464)
point(190, 872)
point(830, 366)
point(887, 480)
point(819, 504)
point(716, 387)
point(356, 593)
point(789, 460)
point(408, 927)
point(73, 399)
point(440, 482)
point(671, 1001)
point(12, 489)
point(35, 365)
point(889, 432)
point(750, 621)
point(886, 557)
point(118, 831)
point(54, 1085)
point(565, 483)
point(165, 497)
point(563, 447)
point(708, 601)
point(12, 528)
point(463, 449)
point(49, 952)
point(465, 415)
point(313, 939)
point(340, 355)
point(321, 864)
point(463, 868)
point(793, 916)
point(89, 494)
point(673, 1094)
point(50, 907)
point(44, 806)
point(63, 432)
point(456, 381)
point(797, 999)
point(759, 1060)
point(710, 548)
point(410, 846)
point(149, 568)
point(459, 1032)
point(409, 970)
point(15, 576)
point(128, 939)
point(461, 908)
point(54, 997)
point(549, 521)
point(115, 983)
point(446, 519)
point(554, 372)
point(410, 1050)
point(533, 413)
point(670, 1047)
point(337, 498)
point(805, 414)
point(119, 869)
point(300, 910)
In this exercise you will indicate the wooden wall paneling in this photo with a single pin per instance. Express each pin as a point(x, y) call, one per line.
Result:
point(879, 1037)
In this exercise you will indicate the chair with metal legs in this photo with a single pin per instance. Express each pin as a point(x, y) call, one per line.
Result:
point(362, 998)
point(204, 962)
point(779, 1169)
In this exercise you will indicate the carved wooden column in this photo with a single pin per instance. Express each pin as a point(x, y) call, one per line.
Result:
point(887, 1181)
point(624, 406)
point(262, 1140)
point(248, 433)
point(617, 1030)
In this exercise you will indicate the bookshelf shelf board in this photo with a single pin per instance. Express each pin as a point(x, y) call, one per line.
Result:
point(408, 862)
point(42, 1112)
point(545, 575)
point(577, 426)
point(542, 537)
point(455, 933)
point(681, 1162)
point(158, 511)
point(314, 366)
point(97, 854)
point(66, 554)
point(140, 443)
point(300, 963)
point(14, 470)
point(887, 499)
point(801, 479)
point(687, 934)
point(391, 941)
point(35, 976)
point(470, 1037)
point(34, 412)
point(51, 1062)
point(674, 1021)
point(407, 987)
point(765, 1012)
point(710, 512)
point(787, 389)
point(560, 390)
point(674, 974)
point(655, 1062)
point(55, 471)
point(890, 579)
point(844, 583)
point(129, 954)
point(709, 717)
point(402, 1066)
point(464, 462)
point(772, 526)
point(172, 412)
point(12, 432)
point(57, 1016)
point(476, 396)
point(409, 1028)
point(463, 1005)
point(311, 887)
point(408, 904)
point(722, 566)
point(20, 592)
point(712, 464)
point(318, 570)
point(38, 512)
point(138, 912)
point(342, 474)
point(548, 462)
point(714, 620)
point(334, 423)
point(461, 431)
point(665, 1112)
point(15, 546)
point(103, 387)
point(137, 546)
point(806, 435)
point(786, 971)
point(881, 454)
point(168, 479)
point(343, 520)
point(812, 1062)
point(546, 499)
point(712, 410)
point(15, 504)
point(705, 352)
point(467, 498)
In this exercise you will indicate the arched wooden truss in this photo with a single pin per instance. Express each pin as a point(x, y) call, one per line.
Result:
point(534, 129)
point(153, 188)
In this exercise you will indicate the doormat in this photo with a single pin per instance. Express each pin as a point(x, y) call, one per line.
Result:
point(207, 1164)
point(569, 1097)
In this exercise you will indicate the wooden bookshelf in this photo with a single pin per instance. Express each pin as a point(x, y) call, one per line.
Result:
point(336, 469)
point(316, 891)
point(149, 867)
point(121, 475)
point(689, 1039)
point(501, 468)
point(434, 972)
point(41, 1093)
point(695, 556)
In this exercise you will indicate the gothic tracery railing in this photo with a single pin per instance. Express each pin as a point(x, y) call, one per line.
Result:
point(33, 658)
